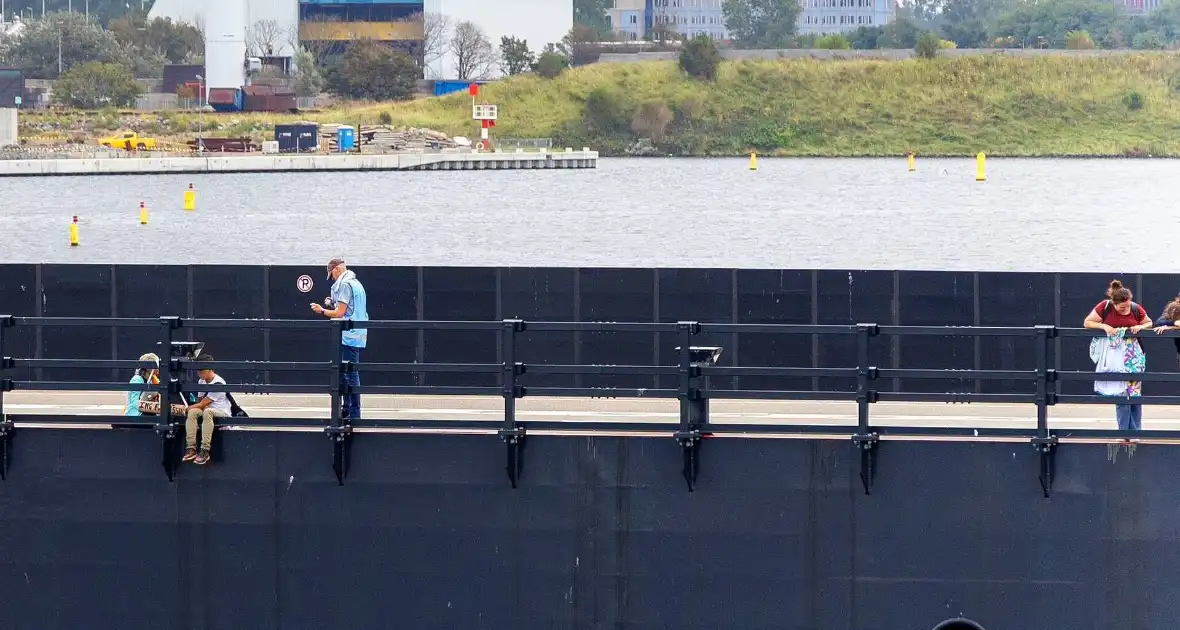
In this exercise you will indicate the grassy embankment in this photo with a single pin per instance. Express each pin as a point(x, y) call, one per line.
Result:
point(1126, 105)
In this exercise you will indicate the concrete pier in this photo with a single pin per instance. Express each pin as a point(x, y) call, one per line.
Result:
point(256, 163)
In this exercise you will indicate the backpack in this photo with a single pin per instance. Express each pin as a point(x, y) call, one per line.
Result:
point(1135, 308)
point(235, 411)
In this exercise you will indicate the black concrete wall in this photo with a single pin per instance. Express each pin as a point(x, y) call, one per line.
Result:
point(602, 533)
point(565, 294)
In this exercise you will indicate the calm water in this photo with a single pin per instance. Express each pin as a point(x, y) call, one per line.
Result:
point(1066, 215)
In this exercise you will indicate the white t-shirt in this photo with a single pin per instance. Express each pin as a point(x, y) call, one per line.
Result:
point(220, 400)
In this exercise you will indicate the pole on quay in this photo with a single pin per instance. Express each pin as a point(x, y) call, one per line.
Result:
point(865, 440)
point(6, 425)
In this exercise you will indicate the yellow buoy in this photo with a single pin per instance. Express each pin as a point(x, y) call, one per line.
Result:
point(913, 167)
point(74, 232)
point(753, 161)
point(980, 167)
point(190, 199)
point(143, 215)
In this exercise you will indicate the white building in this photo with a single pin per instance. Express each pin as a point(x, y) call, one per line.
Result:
point(823, 17)
point(281, 16)
point(538, 22)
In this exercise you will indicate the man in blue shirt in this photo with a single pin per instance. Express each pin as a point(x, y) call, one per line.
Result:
point(349, 302)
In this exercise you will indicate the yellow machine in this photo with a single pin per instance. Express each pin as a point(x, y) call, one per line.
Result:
point(130, 141)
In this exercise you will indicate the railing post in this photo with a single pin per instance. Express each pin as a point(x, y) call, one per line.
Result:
point(512, 433)
point(693, 405)
point(6, 425)
point(168, 427)
point(865, 440)
point(1045, 442)
point(339, 429)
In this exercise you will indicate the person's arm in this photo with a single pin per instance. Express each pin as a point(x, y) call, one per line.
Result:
point(341, 305)
point(1144, 324)
point(1093, 320)
point(205, 401)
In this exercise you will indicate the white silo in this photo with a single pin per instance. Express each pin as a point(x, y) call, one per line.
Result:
point(225, 43)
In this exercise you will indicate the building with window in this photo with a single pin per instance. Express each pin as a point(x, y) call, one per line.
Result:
point(628, 19)
point(331, 24)
point(688, 17)
point(823, 17)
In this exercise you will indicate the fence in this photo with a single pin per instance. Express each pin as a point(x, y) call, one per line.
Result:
point(515, 380)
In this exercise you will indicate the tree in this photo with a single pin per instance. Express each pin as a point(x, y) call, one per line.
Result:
point(309, 81)
point(1029, 22)
point(265, 38)
point(177, 42)
point(699, 57)
point(94, 85)
point(551, 62)
point(474, 56)
point(900, 34)
point(436, 35)
point(592, 14)
point(515, 55)
point(374, 70)
point(65, 38)
point(762, 23)
point(865, 37)
point(580, 45)
point(928, 45)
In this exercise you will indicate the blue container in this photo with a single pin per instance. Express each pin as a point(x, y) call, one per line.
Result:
point(225, 99)
point(442, 88)
point(345, 139)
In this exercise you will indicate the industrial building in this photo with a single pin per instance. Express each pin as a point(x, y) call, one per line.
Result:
point(331, 24)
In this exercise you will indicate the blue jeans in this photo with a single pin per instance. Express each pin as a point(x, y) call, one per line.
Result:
point(352, 402)
point(1130, 417)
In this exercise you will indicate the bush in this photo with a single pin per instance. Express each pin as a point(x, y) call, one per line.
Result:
point(1079, 40)
point(651, 120)
point(550, 64)
point(95, 85)
point(385, 118)
point(928, 46)
point(833, 42)
point(372, 70)
point(699, 57)
point(1148, 40)
point(1134, 101)
point(604, 112)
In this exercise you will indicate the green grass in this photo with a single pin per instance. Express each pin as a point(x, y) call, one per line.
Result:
point(1004, 106)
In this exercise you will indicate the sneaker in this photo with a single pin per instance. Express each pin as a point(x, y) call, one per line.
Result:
point(202, 457)
point(190, 454)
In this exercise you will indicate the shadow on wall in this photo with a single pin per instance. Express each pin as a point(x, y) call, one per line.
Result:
point(958, 624)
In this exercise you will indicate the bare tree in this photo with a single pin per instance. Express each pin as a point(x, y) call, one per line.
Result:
point(436, 30)
point(265, 37)
point(475, 58)
point(319, 49)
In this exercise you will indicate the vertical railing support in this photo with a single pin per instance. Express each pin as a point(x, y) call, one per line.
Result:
point(6, 425)
point(167, 427)
point(512, 433)
point(339, 429)
point(1045, 442)
point(694, 407)
point(865, 440)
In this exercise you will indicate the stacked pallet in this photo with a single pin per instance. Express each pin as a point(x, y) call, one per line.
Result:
point(388, 139)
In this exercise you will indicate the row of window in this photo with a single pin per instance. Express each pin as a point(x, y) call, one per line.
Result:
point(357, 12)
point(688, 4)
point(684, 19)
point(838, 4)
point(844, 19)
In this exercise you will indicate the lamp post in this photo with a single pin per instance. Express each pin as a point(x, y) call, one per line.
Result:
point(200, 113)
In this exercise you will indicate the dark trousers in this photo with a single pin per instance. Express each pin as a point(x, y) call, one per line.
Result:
point(352, 402)
point(1130, 417)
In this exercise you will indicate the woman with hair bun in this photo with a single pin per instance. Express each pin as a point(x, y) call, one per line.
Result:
point(1119, 351)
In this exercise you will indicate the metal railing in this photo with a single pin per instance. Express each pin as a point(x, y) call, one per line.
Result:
point(691, 371)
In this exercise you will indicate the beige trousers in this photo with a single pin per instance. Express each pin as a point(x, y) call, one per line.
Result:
point(190, 426)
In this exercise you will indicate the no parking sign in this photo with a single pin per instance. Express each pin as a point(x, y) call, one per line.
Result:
point(304, 284)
